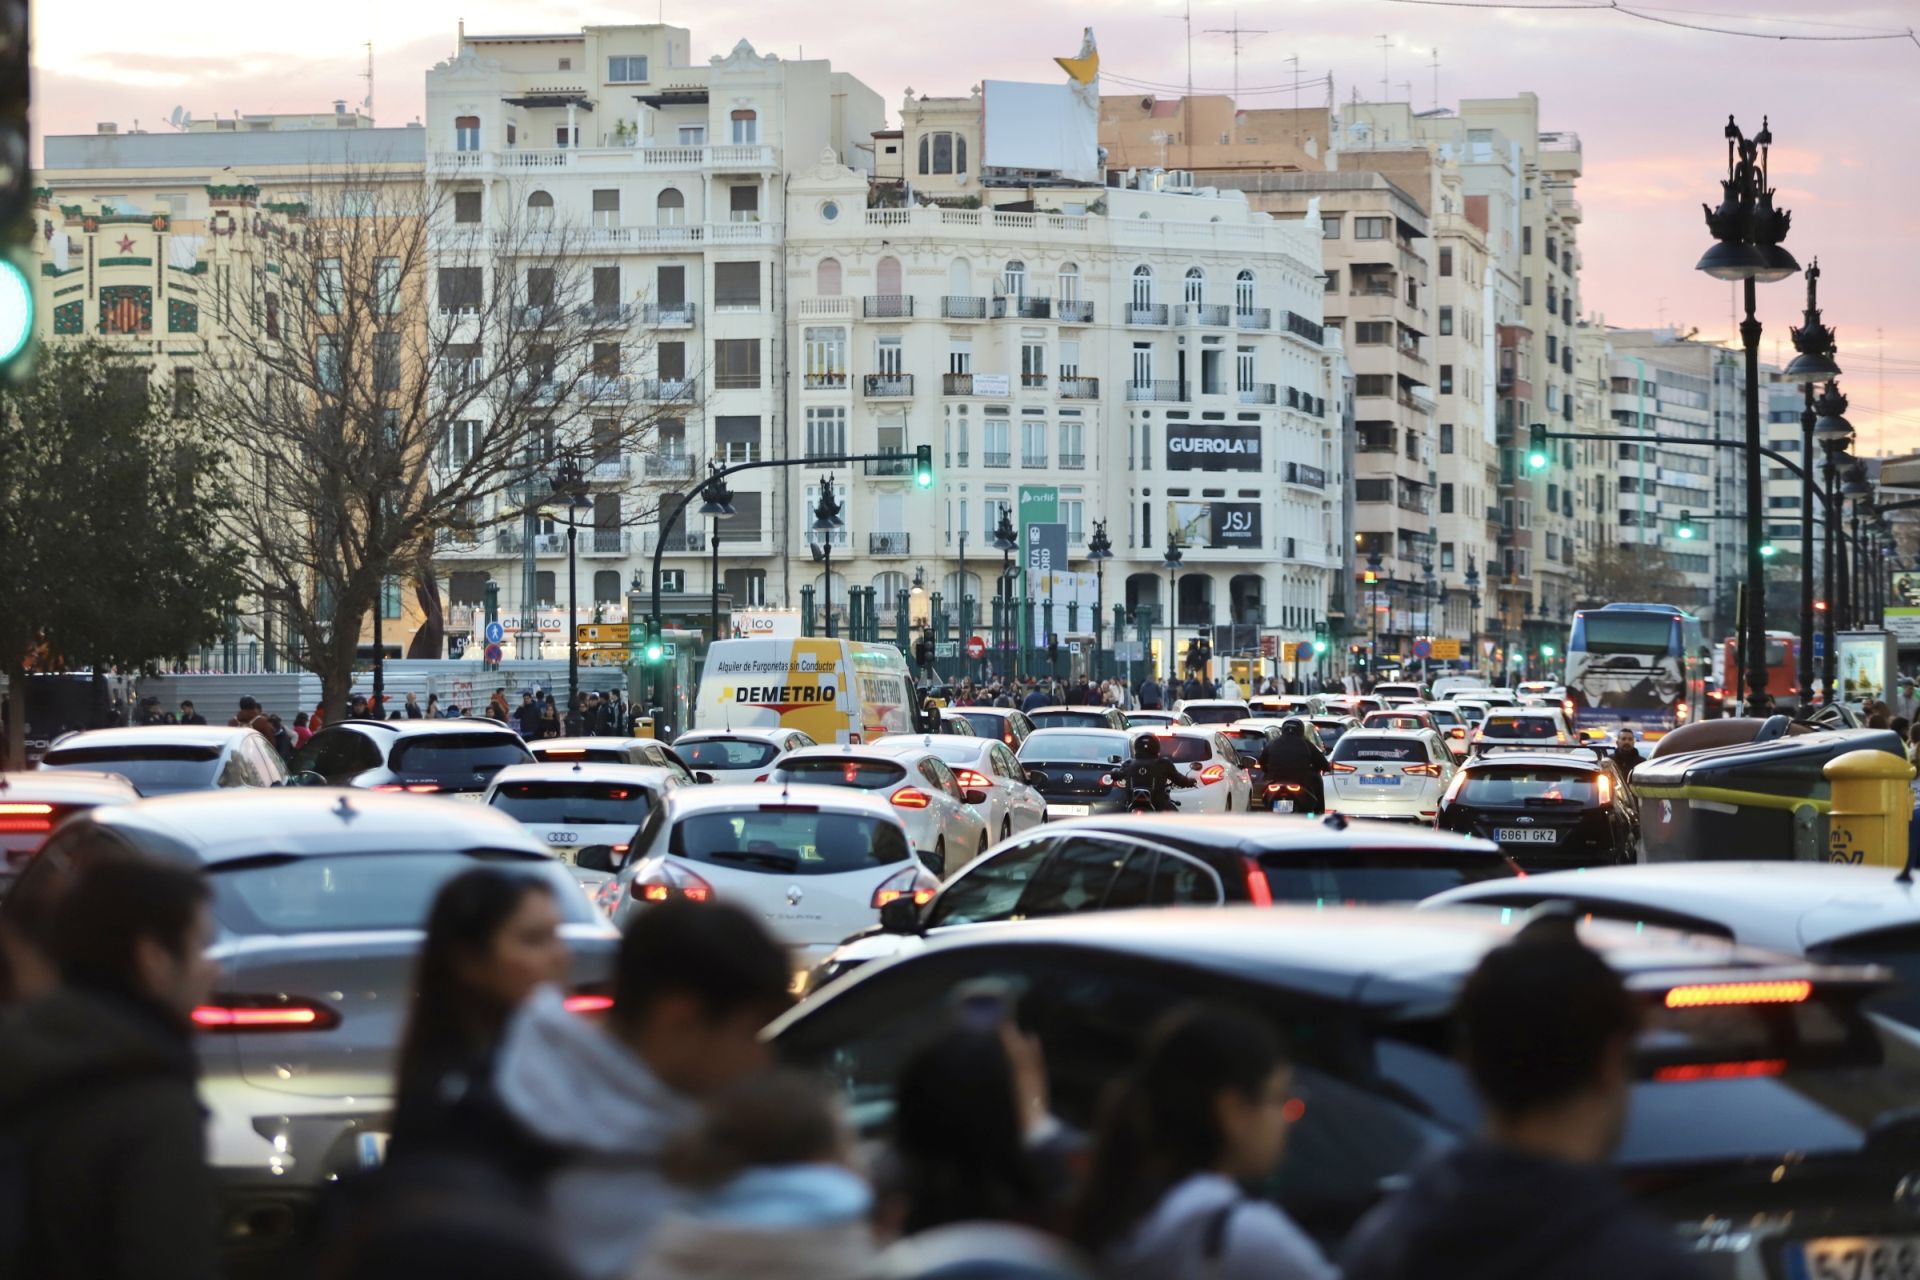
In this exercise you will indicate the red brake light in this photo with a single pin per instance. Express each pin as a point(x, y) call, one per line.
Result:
point(915, 882)
point(263, 1013)
point(584, 1002)
point(389, 786)
point(1258, 891)
point(910, 798)
point(1337, 767)
point(1720, 1070)
point(422, 788)
point(971, 778)
point(761, 778)
point(1213, 773)
point(1605, 788)
point(1703, 995)
point(1424, 770)
point(25, 808)
point(26, 819)
point(568, 752)
point(662, 881)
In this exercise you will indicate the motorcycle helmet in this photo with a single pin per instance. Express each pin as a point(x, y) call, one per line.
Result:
point(1292, 727)
point(1146, 747)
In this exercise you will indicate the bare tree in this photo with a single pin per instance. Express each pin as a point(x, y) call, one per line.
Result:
point(1616, 571)
point(398, 368)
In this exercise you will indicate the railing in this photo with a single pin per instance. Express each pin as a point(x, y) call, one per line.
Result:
point(604, 387)
point(1311, 330)
point(664, 314)
point(812, 461)
point(822, 381)
point(826, 308)
point(1152, 313)
point(610, 469)
point(1201, 313)
point(1074, 311)
point(692, 541)
point(960, 307)
point(599, 314)
point(670, 390)
point(605, 542)
point(899, 465)
point(1253, 318)
point(889, 544)
point(545, 391)
point(882, 386)
point(1033, 379)
point(535, 159)
point(886, 306)
point(1033, 461)
point(1415, 502)
point(1257, 393)
point(996, 459)
point(669, 466)
point(1023, 308)
point(446, 543)
point(531, 317)
point(550, 544)
point(956, 384)
point(1159, 390)
point(1078, 388)
point(829, 538)
point(1073, 461)
point(546, 241)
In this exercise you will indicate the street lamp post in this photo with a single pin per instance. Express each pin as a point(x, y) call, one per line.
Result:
point(966, 608)
point(1815, 344)
point(1748, 230)
point(1099, 550)
point(1832, 430)
point(1373, 617)
point(1473, 612)
point(1006, 541)
point(826, 519)
point(716, 500)
point(1171, 563)
point(571, 483)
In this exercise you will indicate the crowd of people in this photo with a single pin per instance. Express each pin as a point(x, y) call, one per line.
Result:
point(1150, 693)
point(664, 1144)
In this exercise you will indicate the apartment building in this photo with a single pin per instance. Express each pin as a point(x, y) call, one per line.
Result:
point(671, 177)
point(1596, 471)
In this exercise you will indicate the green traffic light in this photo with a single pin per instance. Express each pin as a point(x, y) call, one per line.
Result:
point(1537, 461)
point(1546, 651)
point(923, 466)
point(16, 309)
point(1684, 531)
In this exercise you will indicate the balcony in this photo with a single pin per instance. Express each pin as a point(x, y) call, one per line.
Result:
point(992, 458)
point(606, 315)
point(1033, 380)
point(1022, 308)
point(668, 466)
point(737, 381)
point(722, 158)
point(670, 315)
point(887, 386)
point(452, 545)
point(598, 387)
point(1301, 327)
point(897, 467)
point(835, 538)
point(960, 307)
point(1257, 393)
point(1073, 311)
point(536, 317)
point(1201, 313)
point(1156, 391)
point(1073, 461)
point(1307, 476)
point(1148, 313)
point(610, 470)
point(680, 541)
point(1078, 388)
point(886, 306)
point(889, 544)
point(825, 381)
point(826, 308)
point(670, 390)
point(1253, 318)
point(1033, 461)
point(605, 542)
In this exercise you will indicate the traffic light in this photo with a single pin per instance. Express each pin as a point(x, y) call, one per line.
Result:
point(1547, 651)
point(1685, 528)
point(16, 185)
point(923, 466)
point(1369, 577)
point(1766, 550)
point(655, 650)
point(1537, 453)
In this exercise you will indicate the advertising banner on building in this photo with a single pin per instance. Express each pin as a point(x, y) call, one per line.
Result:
point(1213, 446)
point(1903, 609)
point(1234, 524)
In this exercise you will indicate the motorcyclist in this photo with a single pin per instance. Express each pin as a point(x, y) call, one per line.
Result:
point(1152, 771)
point(1295, 756)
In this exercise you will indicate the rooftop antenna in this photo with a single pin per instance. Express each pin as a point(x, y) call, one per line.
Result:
point(1186, 103)
point(1436, 79)
point(367, 102)
point(1386, 72)
point(1236, 31)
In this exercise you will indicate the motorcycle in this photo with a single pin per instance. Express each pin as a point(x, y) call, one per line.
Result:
point(1140, 800)
point(1292, 797)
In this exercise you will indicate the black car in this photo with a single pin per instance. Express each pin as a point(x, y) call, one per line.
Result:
point(1008, 724)
point(1549, 809)
point(1077, 718)
point(1250, 740)
point(1773, 1138)
point(1073, 769)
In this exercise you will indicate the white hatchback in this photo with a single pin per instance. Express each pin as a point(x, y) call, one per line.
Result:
point(588, 814)
point(915, 783)
point(1008, 802)
point(737, 755)
point(1396, 774)
point(1221, 782)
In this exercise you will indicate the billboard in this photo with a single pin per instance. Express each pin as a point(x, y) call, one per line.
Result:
point(1866, 664)
point(1041, 126)
point(1903, 608)
point(1213, 446)
point(1235, 524)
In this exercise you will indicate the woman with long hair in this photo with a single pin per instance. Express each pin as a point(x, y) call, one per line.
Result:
point(549, 721)
point(1203, 1112)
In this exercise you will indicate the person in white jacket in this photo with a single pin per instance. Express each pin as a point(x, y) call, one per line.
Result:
point(1203, 1112)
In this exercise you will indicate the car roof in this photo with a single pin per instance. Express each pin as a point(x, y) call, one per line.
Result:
point(1002, 712)
point(646, 775)
point(927, 741)
point(1055, 731)
point(1184, 703)
point(66, 785)
point(425, 728)
point(1416, 735)
point(575, 744)
point(846, 751)
point(243, 822)
point(1070, 706)
point(733, 797)
point(1524, 712)
point(1567, 758)
point(772, 736)
point(1257, 833)
point(152, 735)
point(1790, 906)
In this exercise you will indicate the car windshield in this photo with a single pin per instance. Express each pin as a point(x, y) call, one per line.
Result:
point(1530, 728)
point(1218, 713)
point(1070, 719)
point(157, 769)
point(1074, 748)
point(577, 802)
point(1329, 735)
point(1250, 741)
point(1623, 631)
point(457, 757)
point(863, 773)
point(1184, 749)
point(726, 753)
point(1500, 786)
point(1345, 877)
point(284, 893)
point(791, 840)
point(1359, 746)
point(1387, 720)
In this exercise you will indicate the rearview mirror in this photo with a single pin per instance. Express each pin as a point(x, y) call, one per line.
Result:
point(702, 776)
point(974, 795)
point(900, 916)
point(1249, 762)
point(1033, 775)
point(596, 857)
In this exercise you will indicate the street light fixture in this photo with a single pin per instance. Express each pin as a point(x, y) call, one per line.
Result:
point(1814, 344)
point(570, 482)
point(1171, 563)
point(1832, 430)
point(826, 519)
point(1006, 541)
point(1099, 550)
point(716, 500)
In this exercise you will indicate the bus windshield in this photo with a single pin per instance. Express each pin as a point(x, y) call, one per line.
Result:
point(1645, 633)
point(1633, 666)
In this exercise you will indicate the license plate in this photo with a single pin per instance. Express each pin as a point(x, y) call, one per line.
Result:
point(372, 1150)
point(468, 797)
point(1527, 835)
point(1069, 810)
point(1856, 1258)
point(1283, 806)
point(1381, 780)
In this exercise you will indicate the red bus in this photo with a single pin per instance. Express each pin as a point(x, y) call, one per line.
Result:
point(1783, 672)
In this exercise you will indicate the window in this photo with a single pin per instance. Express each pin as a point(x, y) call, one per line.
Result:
point(390, 598)
point(743, 204)
point(326, 362)
point(888, 362)
point(1373, 384)
point(1013, 281)
point(463, 438)
point(1194, 287)
point(1446, 379)
point(1073, 513)
point(826, 432)
point(1526, 291)
point(825, 352)
point(736, 284)
point(671, 360)
point(1331, 284)
point(1446, 437)
point(1069, 282)
point(543, 588)
point(1244, 373)
point(1446, 499)
point(1033, 364)
point(386, 361)
point(1446, 321)
point(1033, 442)
point(670, 208)
point(1072, 444)
point(1553, 349)
point(1142, 363)
point(606, 289)
point(943, 153)
point(1526, 239)
point(1142, 287)
point(606, 208)
point(1069, 359)
point(466, 206)
point(466, 133)
point(1446, 260)
point(1372, 333)
point(998, 450)
point(386, 286)
point(186, 396)
point(1370, 228)
point(606, 586)
point(631, 69)
point(959, 355)
point(540, 208)
point(565, 137)
point(746, 128)
point(693, 135)
point(826, 278)
point(1243, 293)
point(736, 363)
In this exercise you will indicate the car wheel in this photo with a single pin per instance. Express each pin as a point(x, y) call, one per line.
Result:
point(981, 852)
point(1006, 828)
point(940, 857)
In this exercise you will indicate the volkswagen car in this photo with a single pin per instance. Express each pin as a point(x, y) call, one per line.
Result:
point(1073, 769)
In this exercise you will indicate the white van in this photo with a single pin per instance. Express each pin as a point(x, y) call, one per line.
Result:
point(834, 691)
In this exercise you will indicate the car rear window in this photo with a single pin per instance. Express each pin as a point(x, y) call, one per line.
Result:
point(795, 840)
point(1074, 748)
point(1182, 749)
point(1250, 741)
point(1347, 877)
point(1441, 715)
point(727, 753)
point(1382, 720)
point(1528, 727)
point(1518, 786)
point(573, 802)
point(1219, 714)
point(282, 894)
point(157, 769)
point(1361, 746)
point(1068, 719)
point(987, 725)
point(863, 773)
point(457, 757)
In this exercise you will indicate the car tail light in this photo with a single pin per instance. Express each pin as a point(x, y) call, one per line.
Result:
point(910, 798)
point(1682, 711)
point(664, 881)
point(1720, 1070)
point(264, 1013)
point(418, 788)
point(587, 1002)
point(1258, 891)
point(21, 818)
point(1422, 770)
point(761, 778)
point(1336, 767)
point(916, 882)
point(1456, 732)
point(972, 778)
point(1711, 994)
point(1213, 773)
point(1604, 786)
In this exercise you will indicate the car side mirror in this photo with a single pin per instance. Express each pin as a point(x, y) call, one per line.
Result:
point(1249, 762)
point(702, 776)
point(974, 795)
point(1033, 775)
point(900, 916)
point(596, 857)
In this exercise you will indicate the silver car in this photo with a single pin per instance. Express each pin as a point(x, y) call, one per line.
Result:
point(608, 750)
point(320, 897)
point(164, 760)
point(737, 755)
point(586, 814)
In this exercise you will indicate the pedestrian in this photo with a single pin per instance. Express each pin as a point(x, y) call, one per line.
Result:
point(1545, 1032)
point(282, 738)
point(357, 706)
point(317, 717)
point(1202, 1112)
point(412, 708)
point(1231, 690)
point(102, 1133)
point(301, 729)
point(549, 722)
point(493, 937)
point(1625, 756)
point(250, 716)
point(1905, 704)
point(1900, 725)
point(693, 985)
point(775, 1195)
point(1150, 695)
point(497, 706)
point(433, 706)
point(188, 715)
point(527, 717)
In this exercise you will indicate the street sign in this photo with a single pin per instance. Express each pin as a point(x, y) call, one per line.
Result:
point(1445, 650)
point(1073, 647)
point(1819, 644)
point(493, 650)
point(615, 633)
point(1130, 651)
point(605, 657)
point(946, 649)
point(976, 648)
point(495, 633)
point(1422, 649)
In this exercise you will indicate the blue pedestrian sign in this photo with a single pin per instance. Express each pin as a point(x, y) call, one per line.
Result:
point(1819, 644)
point(495, 633)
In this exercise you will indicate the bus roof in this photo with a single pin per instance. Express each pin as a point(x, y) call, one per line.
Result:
point(1643, 608)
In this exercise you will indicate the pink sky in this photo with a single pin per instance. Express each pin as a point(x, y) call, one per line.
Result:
point(1648, 101)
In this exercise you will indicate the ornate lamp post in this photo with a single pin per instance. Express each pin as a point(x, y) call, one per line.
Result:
point(1815, 344)
point(1006, 541)
point(570, 482)
point(826, 519)
point(1171, 563)
point(1099, 550)
point(1832, 430)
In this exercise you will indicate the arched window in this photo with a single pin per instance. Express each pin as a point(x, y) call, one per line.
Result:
point(887, 277)
point(670, 208)
point(925, 146)
point(959, 278)
point(959, 153)
point(1142, 287)
point(466, 133)
point(826, 278)
point(606, 586)
point(1013, 281)
point(1195, 287)
point(1069, 282)
point(746, 128)
point(540, 208)
point(1243, 291)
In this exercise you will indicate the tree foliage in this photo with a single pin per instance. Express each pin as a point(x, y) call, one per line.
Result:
point(1616, 571)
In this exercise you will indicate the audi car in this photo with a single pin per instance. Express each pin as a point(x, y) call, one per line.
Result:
point(586, 814)
point(1546, 808)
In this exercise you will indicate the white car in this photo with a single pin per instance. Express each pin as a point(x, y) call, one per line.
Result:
point(737, 755)
point(1222, 784)
point(1539, 728)
point(952, 722)
point(1453, 726)
point(1394, 693)
point(1009, 804)
point(1213, 710)
point(816, 863)
point(1541, 688)
point(588, 814)
point(1157, 719)
point(917, 784)
point(1282, 705)
point(607, 750)
point(1397, 774)
point(167, 759)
